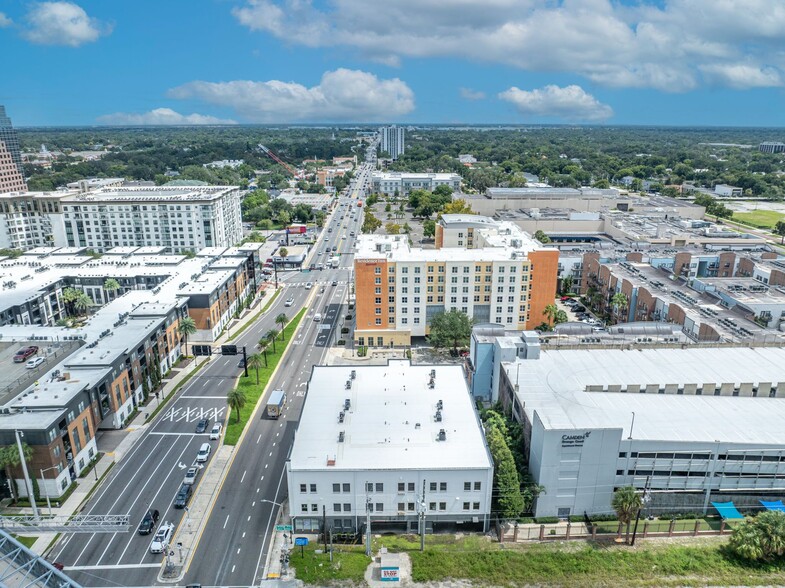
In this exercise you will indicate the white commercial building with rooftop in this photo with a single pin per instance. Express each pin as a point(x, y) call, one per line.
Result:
point(697, 424)
point(384, 440)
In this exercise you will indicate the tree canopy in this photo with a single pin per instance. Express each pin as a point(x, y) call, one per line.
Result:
point(451, 329)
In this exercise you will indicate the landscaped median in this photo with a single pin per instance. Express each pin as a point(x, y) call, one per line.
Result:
point(253, 391)
point(578, 563)
point(239, 331)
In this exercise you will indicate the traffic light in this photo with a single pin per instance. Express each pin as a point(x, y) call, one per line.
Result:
point(228, 349)
point(202, 350)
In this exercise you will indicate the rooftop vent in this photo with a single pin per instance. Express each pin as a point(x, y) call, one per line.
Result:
point(341, 437)
point(348, 384)
point(347, 403)
point(439, 405)
point(341, 416)
point(438, 417)
point(433, 374)
point(354, 374)
point(442, 435)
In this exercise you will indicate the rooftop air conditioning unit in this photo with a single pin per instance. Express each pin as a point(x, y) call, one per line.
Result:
point(442, 435)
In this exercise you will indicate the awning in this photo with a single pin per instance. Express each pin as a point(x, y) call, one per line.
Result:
point(727, 510)
point(776, 505)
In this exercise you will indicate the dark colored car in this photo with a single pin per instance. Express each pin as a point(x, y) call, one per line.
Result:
point(148, 522)
point(201, 426)
point(183, 496)
point(24, 353)
point(579, 309)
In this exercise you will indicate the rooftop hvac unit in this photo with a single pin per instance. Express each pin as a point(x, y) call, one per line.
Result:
point(341, 416)
point(439, 405)
point(433, 374)
point(348, 384)
point(354, 374)
point(442, 435)
point(341, 437)
point(438, 417)
point(347, 403)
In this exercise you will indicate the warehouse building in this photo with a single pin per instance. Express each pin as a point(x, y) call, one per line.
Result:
point(385, 441)
point(697, 425)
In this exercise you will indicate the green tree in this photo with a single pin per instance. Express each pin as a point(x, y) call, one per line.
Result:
point(387, 207)
point(506, 481)
point(264, 344)
point(111, 285)
point(236, 400)
point(185, 327)
point(566, 284)
point(561, 317)
point(760, 538)
point(283, 252)
point(451, 329)
point(82, 303)
point(370, 222)
point(429, 228)
point(282, 319)
point(69, 297)
point(619, 302)
point(443, 190)
point(9, 458)
point(392, 228)
point(284, 218)
point(406, 228)
point(189, 253)
point(550, 313)
point(255, 363)
point(271, 336)
point(457, 207)
point(779, 229)
point(541, 237)
point(626, 502)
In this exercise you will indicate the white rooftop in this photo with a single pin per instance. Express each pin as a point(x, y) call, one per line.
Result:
point(554, 386)
point(390, 423)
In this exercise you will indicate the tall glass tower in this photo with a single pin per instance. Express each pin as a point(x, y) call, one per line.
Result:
point(11, 139)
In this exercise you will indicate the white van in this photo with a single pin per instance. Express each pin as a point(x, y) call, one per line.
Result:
point(204, 453)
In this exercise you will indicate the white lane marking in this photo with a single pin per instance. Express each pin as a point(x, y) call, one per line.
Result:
point(243, 535)
point(243, 478)
point(271, 454)
point(259, 439)
point(112, 567)
point(265, 465)
point(238, 549)
point(233, 569)
point(226, 521)
point(262, 479)
point(253, 503)
point(257, 490)
point(249, 517)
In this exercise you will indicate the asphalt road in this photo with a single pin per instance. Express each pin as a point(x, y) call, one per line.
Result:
point(233, 547)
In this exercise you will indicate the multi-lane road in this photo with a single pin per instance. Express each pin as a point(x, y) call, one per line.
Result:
point(233, 547)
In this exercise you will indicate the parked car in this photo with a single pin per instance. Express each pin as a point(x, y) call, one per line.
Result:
point(162, 537)
point(204, 453)
point(34, 363)
point(202, 425)
point(190, 475)
point(215, 432)
point(148, 522)
point(24, 353)
point(183, 496)
point(579, 309)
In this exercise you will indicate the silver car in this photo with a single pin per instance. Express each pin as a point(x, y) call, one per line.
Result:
point(162, 537)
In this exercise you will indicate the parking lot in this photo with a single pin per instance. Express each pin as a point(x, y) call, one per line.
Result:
point(578, 312)
point(14, 377)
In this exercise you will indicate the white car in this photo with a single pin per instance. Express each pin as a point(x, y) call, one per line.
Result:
point(204, 453)
point(34, 363)
point(190, 475)
point(215, 433)
point(162, 537)
point(308, 285)
point(289, 302)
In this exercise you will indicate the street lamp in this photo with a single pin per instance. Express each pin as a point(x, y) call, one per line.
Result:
point(46, 491)
point(19, 434)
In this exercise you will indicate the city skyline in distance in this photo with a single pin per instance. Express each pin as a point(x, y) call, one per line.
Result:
point(426, 62)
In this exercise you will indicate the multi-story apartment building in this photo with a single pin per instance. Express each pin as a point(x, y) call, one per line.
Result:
point(506, 278)
point(771, 147)
point(11, 139)
point(11, 179)
point(400, 184)
point(177, 218)
point(392, 140)
point(379, 440)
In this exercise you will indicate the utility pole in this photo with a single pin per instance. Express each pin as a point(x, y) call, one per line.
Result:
point(368, 525)
point(644, 501)
point(324, 526)
point(28, 484)
point(422, 518)
point(245, 361)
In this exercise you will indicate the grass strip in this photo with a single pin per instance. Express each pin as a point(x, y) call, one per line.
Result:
point(25, 540)
point(253, 391)
point(548, 564)
point(267, 304)
point(761, 219)
point(180, 384)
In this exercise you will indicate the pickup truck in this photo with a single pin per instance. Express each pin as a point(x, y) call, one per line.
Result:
point(275, 403)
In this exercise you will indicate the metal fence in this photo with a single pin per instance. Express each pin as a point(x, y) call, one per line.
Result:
point(513, 532)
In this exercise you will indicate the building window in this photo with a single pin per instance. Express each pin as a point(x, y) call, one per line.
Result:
point(304, 507)
point(433, 486)
point(336, 488)
point(337, 507)
point(347, 487)
point(442, 486)
point(314, 508)
point(401, 506)
point(442, 506)
point(431, 506)
point(477, 486)
point(467, 486)
point(369, 486)
point(476, 506)
point(401, 488)
point(379, 487)
point(303, 488)
point(465, 506)
point(313, 488)
point(347, 507)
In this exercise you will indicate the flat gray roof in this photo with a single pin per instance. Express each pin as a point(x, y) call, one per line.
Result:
point(390, 424)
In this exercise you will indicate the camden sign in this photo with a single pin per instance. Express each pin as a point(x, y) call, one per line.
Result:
point(574, 440)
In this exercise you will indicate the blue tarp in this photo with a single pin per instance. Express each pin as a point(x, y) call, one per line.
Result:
point(727, 510)
point(777, 505)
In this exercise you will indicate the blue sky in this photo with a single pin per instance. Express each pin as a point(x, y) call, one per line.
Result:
point(669, 62)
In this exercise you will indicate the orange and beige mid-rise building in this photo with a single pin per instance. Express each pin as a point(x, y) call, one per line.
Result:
point(503, 276)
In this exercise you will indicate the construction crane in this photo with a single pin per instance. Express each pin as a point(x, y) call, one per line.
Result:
point(269, 152)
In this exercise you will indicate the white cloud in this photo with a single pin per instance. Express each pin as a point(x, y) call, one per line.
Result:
point(469, 94)
point(161, 116)
point(570, 103)
point(742, 76)
point(62, 23)
point(664, 44)
point(5, 21)
point(342, 95)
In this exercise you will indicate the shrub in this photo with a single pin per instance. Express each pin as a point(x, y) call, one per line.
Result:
point(341, 342)
point(547, 520)
point(344, 330)
point(761, 538)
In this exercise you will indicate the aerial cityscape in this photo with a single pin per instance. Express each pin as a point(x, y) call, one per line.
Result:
point(340, 293)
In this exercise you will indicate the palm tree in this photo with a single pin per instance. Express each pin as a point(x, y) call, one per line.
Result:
point(760, 538)
point(271, 336)
point(111, 285)
point(254, 362)
point(9, 458)
point(82, 303)
point(282, 319)
point(236, 400)
point(186, 327)
point(550, 313)
point(619, 302)
point(626, 502)
point(69, 296)
point(263, 344)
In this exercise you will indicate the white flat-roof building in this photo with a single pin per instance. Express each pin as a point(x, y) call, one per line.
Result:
point(696, 425)
point(386, 439)
point(400, 183)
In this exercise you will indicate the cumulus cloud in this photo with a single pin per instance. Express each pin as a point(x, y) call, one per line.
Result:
point(62, 23)
point(570, 103)
point(5, 21)
point(672, 45)
point(742, 76)
point(469, 94)
point(161, 116)
point(341, 95)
